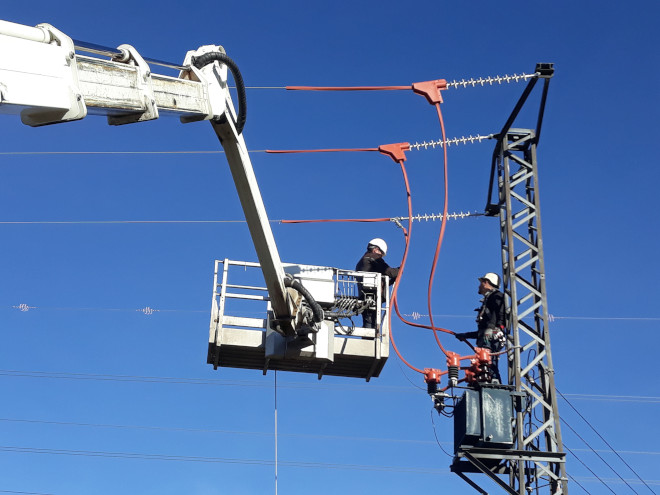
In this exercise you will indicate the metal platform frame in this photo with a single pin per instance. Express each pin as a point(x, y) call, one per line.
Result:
point(250, 343)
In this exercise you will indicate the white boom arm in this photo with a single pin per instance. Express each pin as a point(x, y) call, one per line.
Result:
point(46, 82)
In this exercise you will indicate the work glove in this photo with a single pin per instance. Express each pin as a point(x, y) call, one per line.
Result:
point(499, 338)
point(495, 339)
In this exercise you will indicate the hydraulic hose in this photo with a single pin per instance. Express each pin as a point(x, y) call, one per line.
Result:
point(316, 308)
point(206, 59)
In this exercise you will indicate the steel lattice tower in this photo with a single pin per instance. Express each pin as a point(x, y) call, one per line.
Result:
point(541, 460)
point(535, 461)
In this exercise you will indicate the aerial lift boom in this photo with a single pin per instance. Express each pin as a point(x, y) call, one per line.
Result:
point(45, 81)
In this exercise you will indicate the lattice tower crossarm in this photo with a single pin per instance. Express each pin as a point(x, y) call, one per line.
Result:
point(530, 370)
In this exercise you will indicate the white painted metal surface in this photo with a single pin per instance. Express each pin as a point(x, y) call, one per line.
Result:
point(257, 220)
point(44, 81)
point(39, 34)
point(39, 80)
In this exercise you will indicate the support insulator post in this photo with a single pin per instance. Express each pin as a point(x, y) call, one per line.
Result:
point(453, 365)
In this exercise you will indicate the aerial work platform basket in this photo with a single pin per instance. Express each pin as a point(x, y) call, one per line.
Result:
point(240, 336)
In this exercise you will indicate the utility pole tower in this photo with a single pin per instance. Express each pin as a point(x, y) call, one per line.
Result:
point(537, 428)
point(537, 434)
point(536, 461)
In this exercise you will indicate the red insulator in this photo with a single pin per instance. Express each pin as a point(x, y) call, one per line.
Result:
point(483, 355)
point(430, 90)
point(432, 375)
point(469, 376)
point(453, 359)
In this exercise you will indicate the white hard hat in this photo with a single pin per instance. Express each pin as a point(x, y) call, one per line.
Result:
point(491, 278)
point(379, 243)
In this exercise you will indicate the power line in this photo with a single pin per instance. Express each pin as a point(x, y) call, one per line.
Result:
point(111, 222)
point(588, 468)
point(423, 216)
point(254, 462)
point(414, 315)
point(616, 398)
point(417, 146)
point(115, 152)
point(615, 481)
point(257, 383)
point(463, 83)
point(192, 381)
point(146, 310)
point(26, 493)
point(554, 318)
point(222, 460)
point(224, 432)
point(578, 484)
point(603, 439)
point(597, 454)
point(257, 433)
point(435, 434)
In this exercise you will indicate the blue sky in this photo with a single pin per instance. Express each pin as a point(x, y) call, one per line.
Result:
point(66, 360)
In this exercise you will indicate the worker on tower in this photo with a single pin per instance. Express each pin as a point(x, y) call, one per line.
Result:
point(491, 321)
point(372, 261)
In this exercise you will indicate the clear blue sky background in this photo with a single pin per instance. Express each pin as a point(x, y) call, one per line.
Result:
point(598, 177)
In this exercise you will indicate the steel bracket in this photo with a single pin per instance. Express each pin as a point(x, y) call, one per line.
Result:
point(143, 85)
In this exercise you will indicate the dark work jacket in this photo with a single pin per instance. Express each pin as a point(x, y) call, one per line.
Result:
point(491, 316)
point(372, 262)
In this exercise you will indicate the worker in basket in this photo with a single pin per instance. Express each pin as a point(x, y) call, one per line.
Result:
point(372, 261)
point(491, 321)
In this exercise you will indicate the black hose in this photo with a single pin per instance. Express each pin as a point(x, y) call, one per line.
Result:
point(316, 308)
point(206, 59)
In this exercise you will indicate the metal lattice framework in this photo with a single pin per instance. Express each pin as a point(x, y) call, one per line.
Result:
point(540, 461)
point(535, 462)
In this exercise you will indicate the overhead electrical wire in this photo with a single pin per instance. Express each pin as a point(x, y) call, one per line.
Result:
point(258, 383)
point(439, 143)
point(589, 469)
point(435, 434)
point(419, 217)
point(441, 235)
point(230, 460)
point(435, 98)
point(603, 439)
point(25, 493)
point(597, 454)
point(151, 378)
point(416, 315)
point(407, 233)
point(481, 81)
point(183, 429)
point(23, 307)
point(222, 460)
point(342, 438)
point(408, 378)
point(578, 484)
